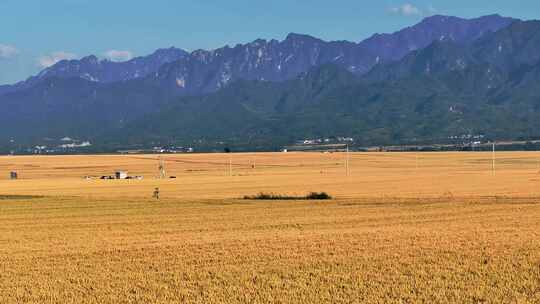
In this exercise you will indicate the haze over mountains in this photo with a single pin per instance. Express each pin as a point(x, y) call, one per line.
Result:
point(206, 71)
point(92, 69)
point(444, 76)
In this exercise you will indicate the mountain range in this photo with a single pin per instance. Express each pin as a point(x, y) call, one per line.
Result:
point(206, 71)
point(489, 87)
point(444, 76)
point(103, 71)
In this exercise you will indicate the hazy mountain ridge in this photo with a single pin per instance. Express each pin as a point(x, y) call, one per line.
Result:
point(103, 71)
point(75, 106)
point(208, 71)
point(443, 90)
point(202, 71)
point(484, 86)
point(444, 28)
point(481, 66)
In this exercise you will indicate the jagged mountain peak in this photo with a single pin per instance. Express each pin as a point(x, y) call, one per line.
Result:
point(92, 59)
point(439, 27)
point(300, 37)
point(105, 71)
point(443, 20)
point(169, 50)
point(206, 71)
point(167, 54)
point(434, 19)
point(258, 42)
point(203, 71)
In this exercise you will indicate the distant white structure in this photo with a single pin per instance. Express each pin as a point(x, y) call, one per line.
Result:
point(121, 174)
point(161, 168)
point(75, 145)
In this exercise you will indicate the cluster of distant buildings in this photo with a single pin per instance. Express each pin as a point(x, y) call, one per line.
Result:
point(474, 139)
point(71, 145)
point(59, 149)
point(121, 175)
point(171, 150)
point(118, 175)
point(53, 146)
point(318, 141)
point(467, 136)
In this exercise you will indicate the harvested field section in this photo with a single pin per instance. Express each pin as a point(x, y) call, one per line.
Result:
point(401, 228)
point(236, 251)
point(206, 176)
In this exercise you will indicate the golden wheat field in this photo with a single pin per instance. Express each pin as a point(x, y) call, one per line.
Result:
point(401, 228)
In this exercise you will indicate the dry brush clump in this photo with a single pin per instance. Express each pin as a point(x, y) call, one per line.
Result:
point(284, 197)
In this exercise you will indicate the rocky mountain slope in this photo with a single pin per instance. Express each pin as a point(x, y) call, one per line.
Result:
point(270, 92)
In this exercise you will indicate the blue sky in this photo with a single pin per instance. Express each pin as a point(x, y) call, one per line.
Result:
point(37, 33)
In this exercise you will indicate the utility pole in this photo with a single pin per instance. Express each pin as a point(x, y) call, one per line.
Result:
point(230, 164)
point(493, 159)
point(347, 160)
point(161, 168)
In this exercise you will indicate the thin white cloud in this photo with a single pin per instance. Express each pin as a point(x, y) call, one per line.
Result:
point(406, 9)
point(117, 55)
point(8, 51)
point(55, 57)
